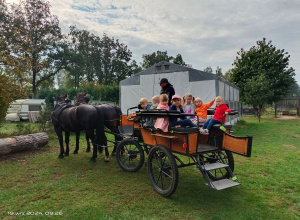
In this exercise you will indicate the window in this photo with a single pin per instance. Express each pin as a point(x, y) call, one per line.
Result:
point(158, 68)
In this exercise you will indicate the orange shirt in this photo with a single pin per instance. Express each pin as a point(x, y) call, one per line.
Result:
point(202, 110)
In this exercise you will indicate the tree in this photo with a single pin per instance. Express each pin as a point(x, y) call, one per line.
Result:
point(159, 56)
point(89, 58)
point(33, 33)
point(294, 90)
point(227, 74)
point(178, 60)
point(208, 69)
point(219, 72)
point(262, 75)
point(9, 91)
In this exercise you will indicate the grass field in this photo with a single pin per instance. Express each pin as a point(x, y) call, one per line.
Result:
point(39, 185)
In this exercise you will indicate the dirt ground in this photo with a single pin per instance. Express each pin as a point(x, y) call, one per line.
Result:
point(288, 117)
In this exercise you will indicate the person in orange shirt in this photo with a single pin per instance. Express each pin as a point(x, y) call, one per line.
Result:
point(201, 109)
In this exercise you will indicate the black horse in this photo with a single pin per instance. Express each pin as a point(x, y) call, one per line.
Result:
point(111, 115)
point(68, 118)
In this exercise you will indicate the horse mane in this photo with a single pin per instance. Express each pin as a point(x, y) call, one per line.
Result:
point(82, 99)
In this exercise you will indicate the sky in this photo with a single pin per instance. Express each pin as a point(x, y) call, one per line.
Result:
point(206, 33)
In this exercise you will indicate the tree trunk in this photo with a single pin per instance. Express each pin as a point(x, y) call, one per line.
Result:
point(23, 142)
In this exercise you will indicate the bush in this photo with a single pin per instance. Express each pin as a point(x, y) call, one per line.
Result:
point(96, 92)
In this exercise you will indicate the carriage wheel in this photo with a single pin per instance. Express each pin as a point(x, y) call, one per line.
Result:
point(162, 170)
point(130, 155)
point(216, 157)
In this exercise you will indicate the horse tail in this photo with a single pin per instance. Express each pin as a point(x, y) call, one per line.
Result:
point(119, 113)
point(101, 138)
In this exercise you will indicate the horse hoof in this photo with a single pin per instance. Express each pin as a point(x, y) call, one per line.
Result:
point(60, 156)
point(93, 159)
point(75, 152)
point(106, 159)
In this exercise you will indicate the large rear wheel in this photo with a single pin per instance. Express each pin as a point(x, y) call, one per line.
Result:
point(162, 170)
point(219, 157)
point(130, 155)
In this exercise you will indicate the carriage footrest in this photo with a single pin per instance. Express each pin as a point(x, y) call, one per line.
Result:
point(223, 184)
point(214, 166)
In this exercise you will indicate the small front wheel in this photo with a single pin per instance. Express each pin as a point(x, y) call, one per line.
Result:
point(162, 170)
point(130, 155)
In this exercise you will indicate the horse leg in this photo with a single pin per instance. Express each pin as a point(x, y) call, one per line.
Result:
point(88, 148)
point(93, 138)
point(61, 142)
point(77, 143)
point(106, 159)
point(67, 141)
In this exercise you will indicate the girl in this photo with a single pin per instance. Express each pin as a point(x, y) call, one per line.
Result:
point(221, 109)
point(182, 121)
point(201, 109)
point(162, 123)
point(188, 104)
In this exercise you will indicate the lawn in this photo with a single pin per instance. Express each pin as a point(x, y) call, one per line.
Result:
point(42, 186)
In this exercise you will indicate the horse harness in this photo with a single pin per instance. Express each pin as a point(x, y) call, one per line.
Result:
point(56, 114)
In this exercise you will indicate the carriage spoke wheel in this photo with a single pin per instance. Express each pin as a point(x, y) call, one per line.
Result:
point(220, 156)
point(162, 170)
point(130, 155)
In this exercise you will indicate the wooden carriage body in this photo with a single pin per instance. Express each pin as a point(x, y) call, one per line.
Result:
point(187, 141)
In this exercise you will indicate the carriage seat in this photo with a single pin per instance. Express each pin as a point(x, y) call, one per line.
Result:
point(217, 126)
point(187, 130)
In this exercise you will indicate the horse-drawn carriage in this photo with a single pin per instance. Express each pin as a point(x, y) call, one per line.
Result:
point(212, 154)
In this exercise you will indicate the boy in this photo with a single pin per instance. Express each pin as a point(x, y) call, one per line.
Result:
point(155, 102)
point(221, 109)
point(144, 104)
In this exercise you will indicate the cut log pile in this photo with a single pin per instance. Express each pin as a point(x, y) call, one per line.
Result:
point(23, 142)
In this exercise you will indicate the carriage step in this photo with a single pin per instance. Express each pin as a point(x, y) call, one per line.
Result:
point(223, 184)
point(214, 166)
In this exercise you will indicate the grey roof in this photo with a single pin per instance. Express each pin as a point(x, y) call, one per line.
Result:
point(166, 67)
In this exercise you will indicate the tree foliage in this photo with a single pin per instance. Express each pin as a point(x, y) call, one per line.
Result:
point(219, 72)
point(208, 69)
point(29, 34)
point(89, 58)
point(9, 91)
point(294, 90)
point(262, 74)
point(159, 56)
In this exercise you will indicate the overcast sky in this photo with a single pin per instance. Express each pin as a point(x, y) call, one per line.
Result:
point(206, 33)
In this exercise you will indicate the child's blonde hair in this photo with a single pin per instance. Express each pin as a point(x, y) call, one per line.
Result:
point(184, 99)
point(143, 101)
point(198, 99)
point(220, 98)
point(163, 97)
point(155, 99)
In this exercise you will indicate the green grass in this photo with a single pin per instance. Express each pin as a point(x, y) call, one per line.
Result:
point(76, 188)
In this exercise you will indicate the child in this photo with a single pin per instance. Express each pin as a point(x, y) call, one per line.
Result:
point(182, 121)
point(188, 104)
point(144, 104)
point(201, 109)
point(221, 109)
point(162, 123)
point(155, 102)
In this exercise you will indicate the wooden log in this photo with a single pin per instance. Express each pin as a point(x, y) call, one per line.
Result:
point(23, 142)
